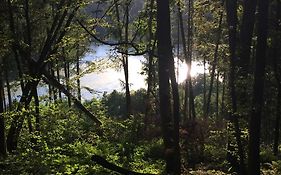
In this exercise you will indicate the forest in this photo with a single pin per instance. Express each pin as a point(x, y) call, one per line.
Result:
point(223, 116)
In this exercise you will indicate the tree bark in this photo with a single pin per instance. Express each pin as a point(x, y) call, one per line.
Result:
point(246, 33)
point(3, 150)
point(277, 72)
point(165, 56)
point(277, 122)
point(231, 9)
point(257, 105)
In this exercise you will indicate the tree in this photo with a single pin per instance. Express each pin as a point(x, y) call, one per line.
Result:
point(231, 9)
point(3, 151)
point(165, 58)
point(257, 104)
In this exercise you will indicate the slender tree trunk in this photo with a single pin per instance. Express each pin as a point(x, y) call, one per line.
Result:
point(58, 77)
point(277, 73)
point(204, 89)
point(66, 75)
point(231, 7)
point(8, 84)
point(3, 150)
point(54, 90)
point(191, 111)
point(150, 65)
point(165, 56)
point(277, 122)
point(37, 110)
point(223, 95)
point(50, 88)
point(217, 95)
point(215, 62)
point(187, 49)
point(4, 100)
point(255, 119)
point(126, 62)
point(78, 73)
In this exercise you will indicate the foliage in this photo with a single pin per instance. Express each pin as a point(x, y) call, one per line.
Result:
point(67, 140)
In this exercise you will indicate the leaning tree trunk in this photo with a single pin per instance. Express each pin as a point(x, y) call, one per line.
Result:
point(255, 119)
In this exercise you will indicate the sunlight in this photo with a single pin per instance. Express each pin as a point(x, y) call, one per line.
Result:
point(181, 70)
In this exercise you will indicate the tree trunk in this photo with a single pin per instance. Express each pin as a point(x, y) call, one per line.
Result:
point(150, 65)
point(126, 62)
point(3, 150)
point(204, 89)
point(37, 110)
point(188, 100)
point(231, 8)
point(277, 122)
point(255, 119)
point(58, 77)
point(217, 96)
point(223, 95)
point(66, 75)
point(215, 62)
point(54, 36)
point(165, 56)
point(14, 45)
point(277, 72)
point(246, 33)
point(50, 88)
point(8, 84)
point(78, 73)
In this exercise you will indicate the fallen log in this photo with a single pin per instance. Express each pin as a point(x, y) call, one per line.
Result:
point(104, 163)
point(51, 80)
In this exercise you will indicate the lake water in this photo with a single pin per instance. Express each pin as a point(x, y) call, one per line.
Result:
point(109, 78)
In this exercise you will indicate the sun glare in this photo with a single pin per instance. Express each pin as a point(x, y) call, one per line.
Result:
point(181, 70)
